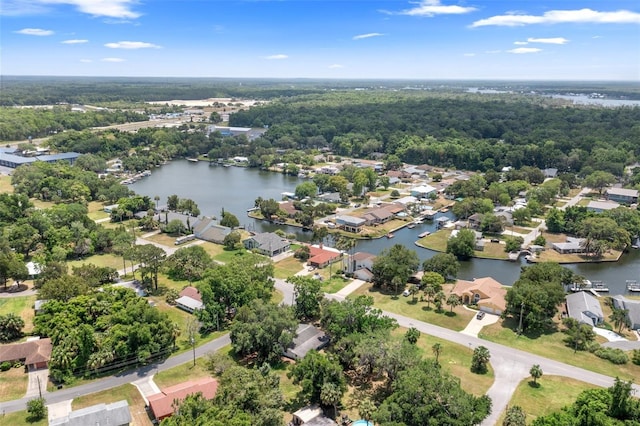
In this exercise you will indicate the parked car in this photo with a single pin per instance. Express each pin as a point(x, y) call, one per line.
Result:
point(480, 315)
point(406, 293)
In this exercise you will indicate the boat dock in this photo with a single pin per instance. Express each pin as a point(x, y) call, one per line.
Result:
point(592, 286)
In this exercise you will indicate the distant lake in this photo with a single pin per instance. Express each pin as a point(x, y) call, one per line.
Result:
point(235, 189)
point(586, 100)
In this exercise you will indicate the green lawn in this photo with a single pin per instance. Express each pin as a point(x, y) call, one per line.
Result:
point(552, 346)
point(13, 384)
point(102, 260)
point(553, 393)
point(457, 320)
point(19, 418)
point(21, 306)
point(164, 239)
point(288, 267)
point(5, 184)
point(436, 241)
point(182, 373)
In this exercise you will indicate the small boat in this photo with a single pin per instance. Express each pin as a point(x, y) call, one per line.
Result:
point(633, 286)
point(390, 235)
point(192, 160)
point(444, 210)
point(424, 234)
point(411, 225)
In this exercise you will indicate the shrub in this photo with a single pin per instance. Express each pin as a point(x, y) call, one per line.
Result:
point(616, 356)
point(37, 409)
point(636, 357)
point(5, 366)
point(172, 295)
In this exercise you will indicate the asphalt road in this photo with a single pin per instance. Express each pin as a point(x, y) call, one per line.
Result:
point(510, 365)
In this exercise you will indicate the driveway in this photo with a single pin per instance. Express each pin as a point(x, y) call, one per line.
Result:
point(475, 325)
point(147, 387)
point(38, 380)
point(59, 409)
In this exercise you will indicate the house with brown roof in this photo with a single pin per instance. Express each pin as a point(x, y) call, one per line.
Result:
point(34, 354)
point(376, 216)
point(190, 299)
point(288, 208)
point(161, 404)
point(487, 293)
point(360, 265)
point(321, 257)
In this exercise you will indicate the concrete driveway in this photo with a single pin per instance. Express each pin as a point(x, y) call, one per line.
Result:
point(475, 325)
point(38, 380)
point(59, 409)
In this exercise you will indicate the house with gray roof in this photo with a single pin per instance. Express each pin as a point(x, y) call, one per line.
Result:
point(572, 245)
point(208, 230)
point(584, 308)
point(115, 414)
point(601, 206)
point(267, 243)
point(350, 223)
point(633, 308)
point(622, 195)
point(308, 337)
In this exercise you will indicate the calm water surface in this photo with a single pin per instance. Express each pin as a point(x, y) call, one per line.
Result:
point(235, 189)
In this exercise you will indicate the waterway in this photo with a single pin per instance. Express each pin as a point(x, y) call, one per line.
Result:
point(235, 189)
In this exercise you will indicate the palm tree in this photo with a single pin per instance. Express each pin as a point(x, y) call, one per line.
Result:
point(414, 290)
point(437, 350)
point(514, 417)
point(438, 298)
point(330, 395)
point(366, 408)
point(619, 318)
point(453, 300)
point(429, 292)
point(156, 198)
point(536, 373)
point(480, 359)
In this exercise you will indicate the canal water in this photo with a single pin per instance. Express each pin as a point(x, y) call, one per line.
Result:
point(235, 189)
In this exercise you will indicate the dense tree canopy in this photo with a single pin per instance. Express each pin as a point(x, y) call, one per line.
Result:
point(393, 267)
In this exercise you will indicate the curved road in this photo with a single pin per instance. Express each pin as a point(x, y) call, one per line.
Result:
point(510, 365)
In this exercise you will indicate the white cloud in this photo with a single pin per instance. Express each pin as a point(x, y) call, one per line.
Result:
point(520, 43)
point(74, 41)
point(469, 54)
point(335, 66)
point(561, 17)
point(132, 45)
point(594, 37)
point(492, 52)
point(431, 8)
point(108, 8)
point(112, 60)
point(280, 56)
point(368, 35)
point(521, 50)
point(35, 32)
point(86, 61)
point(554, 40)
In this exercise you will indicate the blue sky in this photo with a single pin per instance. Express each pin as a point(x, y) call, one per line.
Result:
point(344, 39)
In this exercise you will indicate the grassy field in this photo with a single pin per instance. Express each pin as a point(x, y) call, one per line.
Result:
point(19, 418)
point(437, 241)
point(552, 346)
point(553, 393)
point(162, 238)
point(181, 373)
point(139, 416)
point(457, 320)
point(13, 384)
point(5, 184)
point(102, 260)
point(551, 255)
point(21, 306)
point(288, 267)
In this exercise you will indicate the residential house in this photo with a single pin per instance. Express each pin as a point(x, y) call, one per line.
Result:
point(584, 308)
point(308, 337)
point(487, 293)
point(208, 230)
point(475, 220)
point(423, 191)
point(442, 222)
point(601, 206)
point(633, 308)
point(377, 216)
point(350, 223)
point(401, 175)
point(550, 173)
point(360, 265)
point(114, 414)
point(320, 257)
point(622, 195)
point(35, 354)
point(288, 208)
point(162, 404)
point(311, 415)
point(267, 243)
point(166, 217)
point(572, 245)
point(330, 197)
point(190, 300)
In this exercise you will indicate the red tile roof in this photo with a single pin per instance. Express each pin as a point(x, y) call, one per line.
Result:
point(320, 256)
point(161, 403)
point(191, 292)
